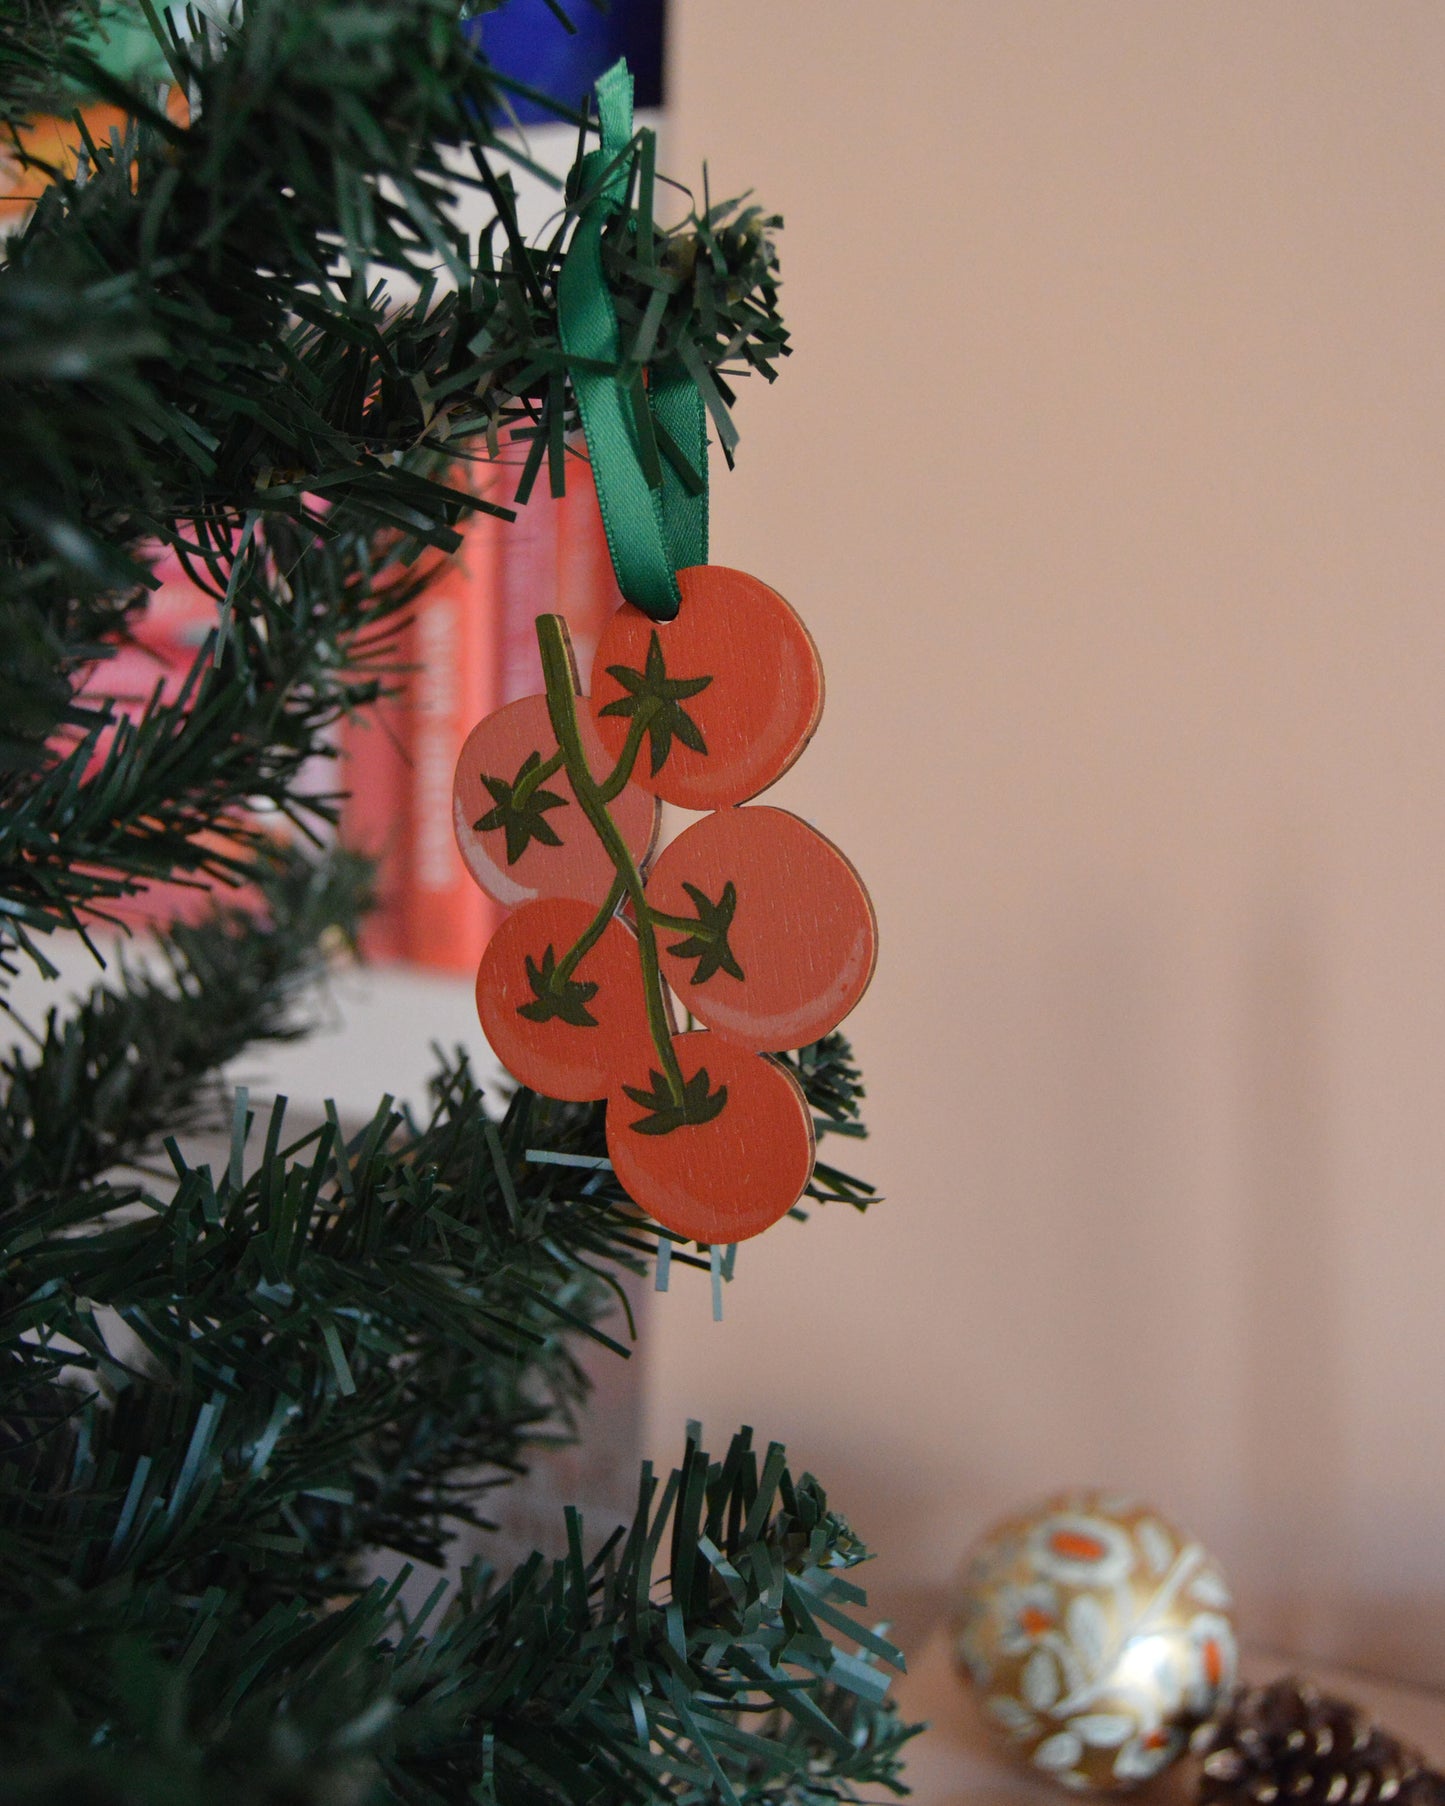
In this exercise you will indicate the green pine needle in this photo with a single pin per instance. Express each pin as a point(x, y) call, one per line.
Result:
point(224, 1389)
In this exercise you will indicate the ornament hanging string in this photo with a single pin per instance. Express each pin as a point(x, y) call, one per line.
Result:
point(647, 439)
point(702, 692)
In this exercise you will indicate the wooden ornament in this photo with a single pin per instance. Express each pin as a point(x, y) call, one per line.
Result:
point(731, 1175)
point(730, 691)
point(751, 916)
point(563, 1029)
point(525, 837)
point(771, 936)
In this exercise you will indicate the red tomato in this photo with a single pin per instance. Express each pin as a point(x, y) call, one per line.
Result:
point(547, 848)
point(800, 935)
point(732, 689)
point(726, 1178)
point(553, 1047)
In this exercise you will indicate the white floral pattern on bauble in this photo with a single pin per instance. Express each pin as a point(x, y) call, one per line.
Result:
point(1146, 1755)
point(1024, 1614)
point(1078, 1550)
point(1098, 1635)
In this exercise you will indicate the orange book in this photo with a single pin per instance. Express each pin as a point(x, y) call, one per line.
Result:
point(55, 140)
point(169, 634)
point(528, 589)
point(376, 775)
point(586, 587)
point(454, 681)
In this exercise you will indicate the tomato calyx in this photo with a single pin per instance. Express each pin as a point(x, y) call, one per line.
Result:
point(557, 995)
point(707, 937)
point(699, 1103)
point(520, 807)
point(654, 701)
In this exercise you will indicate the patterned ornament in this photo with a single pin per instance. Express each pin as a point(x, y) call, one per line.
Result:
point(1098, 1637)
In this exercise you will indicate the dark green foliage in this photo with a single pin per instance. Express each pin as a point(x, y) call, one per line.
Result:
point(214, 1402)
point(34, 36)
point(228, 1390)
point(524, 820)
point(139, 1059)
point(189, 352)
point(834, 1089)
point(568, 1682)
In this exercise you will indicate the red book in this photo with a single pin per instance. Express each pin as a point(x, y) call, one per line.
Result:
point(586, 587)
point(529, 589)
point(453, 683)
point(166, 639)
point(376, 775)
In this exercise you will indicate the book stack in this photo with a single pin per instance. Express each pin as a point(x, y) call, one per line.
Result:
point(471, 647)
point(159, 657)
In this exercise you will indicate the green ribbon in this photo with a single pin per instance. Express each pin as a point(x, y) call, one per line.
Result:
point(647, 440)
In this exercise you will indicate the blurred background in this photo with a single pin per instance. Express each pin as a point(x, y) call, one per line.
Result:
point(1108, 476)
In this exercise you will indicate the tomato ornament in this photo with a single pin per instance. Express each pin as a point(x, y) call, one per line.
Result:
point(724, 697)
point(516, 815)
point(728, 1160)
point(771, 937)
point(560, 1006)
point(706, 686)
point(751, 917)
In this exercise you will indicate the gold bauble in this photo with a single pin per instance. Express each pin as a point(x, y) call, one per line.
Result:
point(1098, 1636)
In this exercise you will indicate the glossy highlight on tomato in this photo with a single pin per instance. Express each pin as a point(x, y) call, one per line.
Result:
point(734, 686)
point(801, 939)
point(547, 849)
point(732, 1176)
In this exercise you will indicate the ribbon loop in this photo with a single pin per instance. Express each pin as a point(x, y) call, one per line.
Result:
point(655, 525)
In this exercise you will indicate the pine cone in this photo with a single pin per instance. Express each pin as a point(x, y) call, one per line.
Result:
point(1291, 1744)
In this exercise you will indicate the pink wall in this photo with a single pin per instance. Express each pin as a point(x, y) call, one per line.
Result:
point(1108, 474)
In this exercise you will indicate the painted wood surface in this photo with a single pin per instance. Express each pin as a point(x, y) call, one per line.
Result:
point(774, 938)
point(522, 835)
point(754, 920)
point(736, 685)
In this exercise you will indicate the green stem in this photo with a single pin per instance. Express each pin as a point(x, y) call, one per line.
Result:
point(616, 782)
point(683, 925)
point(562, 707)
point(593, 932)
point(548, 769)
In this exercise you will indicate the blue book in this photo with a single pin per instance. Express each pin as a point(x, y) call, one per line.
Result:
point(525, 40)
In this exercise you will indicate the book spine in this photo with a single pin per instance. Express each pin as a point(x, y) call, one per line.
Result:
point(453, 683)
point(528, 589)
point(586, 587)
point(376, 774)
point(172, 630)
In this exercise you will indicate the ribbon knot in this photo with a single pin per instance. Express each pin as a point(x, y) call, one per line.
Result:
point(646, 434)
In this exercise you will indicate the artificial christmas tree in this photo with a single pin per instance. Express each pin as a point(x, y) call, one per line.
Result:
point(228, 1387)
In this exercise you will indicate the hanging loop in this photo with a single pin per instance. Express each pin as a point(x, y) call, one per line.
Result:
point(638, 433)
